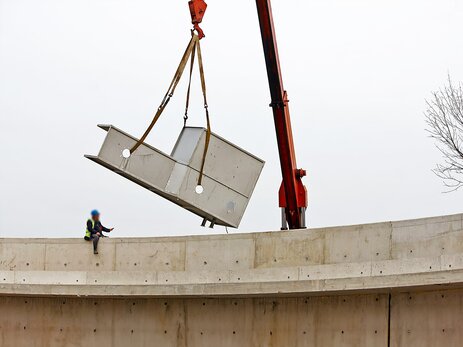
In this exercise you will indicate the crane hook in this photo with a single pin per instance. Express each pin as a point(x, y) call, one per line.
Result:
point(197, 10)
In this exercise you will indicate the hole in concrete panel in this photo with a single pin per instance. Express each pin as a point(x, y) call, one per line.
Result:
point(165, 304)
point(146, 281)
point(61, 329)
point(271, 333)
point(234, 332)
point(95, 303)
point(236, 303)
point(167, 264)
point(304, 332)
point(381, 272)
point(24, 280)
point(230, 207)
point(220, 279)
point(134, 264)
point(239, 279)
point(204, 304)
point(165, 331)
point(96, 281)
point(377, 253)
point(443, 330)
point(199, 189)
point(376, 331)
point(167, 280)
point(4, 279)
point(77, 280)
point(342, 331)
point(126, 153)
point(64, 302)
point(450, 265)
point(94, 330)
point(411, 251)
point(133, 304)
point(361, 272)
point(27, 264)
point(289, 277)
point(205, 263)
point(25, 302)
point(131, 331)
point(24, 328)
point(308, 275)
point(237, 261)
point(201, 332)
point(65, 264)
point(442, 296)
point(97, 264)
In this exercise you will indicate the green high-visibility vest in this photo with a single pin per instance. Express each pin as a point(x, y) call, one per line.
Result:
point(88, 233)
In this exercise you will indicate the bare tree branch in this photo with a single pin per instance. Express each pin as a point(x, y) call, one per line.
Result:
point(444, 116)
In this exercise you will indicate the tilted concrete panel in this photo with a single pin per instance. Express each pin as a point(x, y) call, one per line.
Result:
point(229, 176)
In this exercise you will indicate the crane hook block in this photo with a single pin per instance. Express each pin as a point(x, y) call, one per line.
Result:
point(197, 10)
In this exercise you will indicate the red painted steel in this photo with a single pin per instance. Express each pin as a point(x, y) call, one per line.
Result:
point(197, 10)
point(293, 194)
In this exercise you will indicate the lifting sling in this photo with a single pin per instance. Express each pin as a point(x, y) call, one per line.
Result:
point(189, 54)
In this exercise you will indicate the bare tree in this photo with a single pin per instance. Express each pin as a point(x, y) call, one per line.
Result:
point(444, 116)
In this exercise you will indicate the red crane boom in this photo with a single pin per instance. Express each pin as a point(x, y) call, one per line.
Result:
point(292, 193)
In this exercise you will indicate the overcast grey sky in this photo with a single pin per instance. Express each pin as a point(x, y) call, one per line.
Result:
point(357, 73)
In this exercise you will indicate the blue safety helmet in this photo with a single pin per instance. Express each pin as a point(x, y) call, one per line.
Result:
point(94, 213)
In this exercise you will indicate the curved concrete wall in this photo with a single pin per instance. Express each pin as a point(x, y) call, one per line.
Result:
point(362, 257)
point(385, 284)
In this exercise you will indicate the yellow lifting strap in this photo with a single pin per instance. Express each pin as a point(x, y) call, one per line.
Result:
point(192, 47)
point(208, 129)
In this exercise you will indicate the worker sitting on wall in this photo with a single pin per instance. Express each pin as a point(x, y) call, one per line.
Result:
point(95, 230)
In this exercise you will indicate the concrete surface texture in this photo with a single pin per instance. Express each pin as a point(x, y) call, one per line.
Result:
point(385, 284)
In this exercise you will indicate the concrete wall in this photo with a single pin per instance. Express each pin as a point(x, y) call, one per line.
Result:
point(417, 319)
point(385, 284)
point(324, 321)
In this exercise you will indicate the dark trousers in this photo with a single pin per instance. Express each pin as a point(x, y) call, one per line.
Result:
point(95, 238)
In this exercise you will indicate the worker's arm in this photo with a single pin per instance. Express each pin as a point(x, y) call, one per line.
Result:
point(106, 230)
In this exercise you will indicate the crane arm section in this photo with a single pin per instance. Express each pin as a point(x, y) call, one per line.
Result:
point(293, 194)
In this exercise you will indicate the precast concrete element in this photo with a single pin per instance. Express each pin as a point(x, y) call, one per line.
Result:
point(373, 257)
point(230, 173)
point(383, 284)
point(409, 319)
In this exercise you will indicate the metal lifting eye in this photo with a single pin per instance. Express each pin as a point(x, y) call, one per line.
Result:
point(126, 153)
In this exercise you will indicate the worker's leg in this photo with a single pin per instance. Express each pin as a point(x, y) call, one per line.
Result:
point(95, 238)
